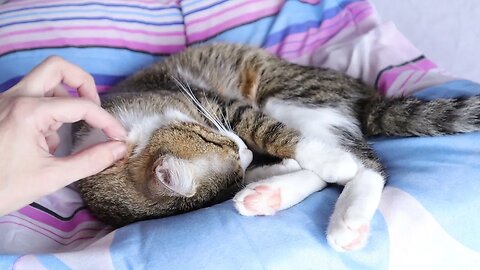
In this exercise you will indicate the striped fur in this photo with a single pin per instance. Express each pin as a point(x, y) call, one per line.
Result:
point(318, 117)
point(414, 117)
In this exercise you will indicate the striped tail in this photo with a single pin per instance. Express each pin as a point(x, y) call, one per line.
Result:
point(415, 117)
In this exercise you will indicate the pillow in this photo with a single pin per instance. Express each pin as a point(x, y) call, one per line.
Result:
point(112, 39)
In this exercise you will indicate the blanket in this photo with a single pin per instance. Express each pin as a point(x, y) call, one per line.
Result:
point(426, 219)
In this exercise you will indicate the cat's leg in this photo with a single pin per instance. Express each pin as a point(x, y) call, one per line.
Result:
point(350, 222)
point(267, 135)
point(267, 171)
point(295, 132)
point(314, 137)
point(319, 148)
point(333, 147)
point(278, 192)
point(262, 133)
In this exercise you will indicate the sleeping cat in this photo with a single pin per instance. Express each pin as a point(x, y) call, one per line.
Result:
point(195, 118)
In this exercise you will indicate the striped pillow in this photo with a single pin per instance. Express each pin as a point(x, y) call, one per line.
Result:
point(113, 38)
point(107, 38)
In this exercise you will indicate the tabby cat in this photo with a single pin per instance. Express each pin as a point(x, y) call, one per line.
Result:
point(195, 118)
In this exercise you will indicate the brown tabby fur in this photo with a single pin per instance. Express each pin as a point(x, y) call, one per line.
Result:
point(234, 82)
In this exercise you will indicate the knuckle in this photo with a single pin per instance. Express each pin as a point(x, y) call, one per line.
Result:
point(89, 78)
point(99, 160)
point(54, 60)
point(52, 178)
point(86, 103)
point(84, 100)
point(21, 107)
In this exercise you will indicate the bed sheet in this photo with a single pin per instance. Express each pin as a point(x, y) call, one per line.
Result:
point(428, 207)
point(445, 31)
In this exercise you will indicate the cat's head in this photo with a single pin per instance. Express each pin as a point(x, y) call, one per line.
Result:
point(182, 167)
point(189, 160)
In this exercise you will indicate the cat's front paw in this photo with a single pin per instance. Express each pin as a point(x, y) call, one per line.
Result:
point(265, 172)
point(348, 231)
point(258, 199)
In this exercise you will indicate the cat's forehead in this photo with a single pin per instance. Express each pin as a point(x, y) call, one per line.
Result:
point(190, 140)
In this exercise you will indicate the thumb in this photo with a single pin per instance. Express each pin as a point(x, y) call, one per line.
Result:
point(88, 161)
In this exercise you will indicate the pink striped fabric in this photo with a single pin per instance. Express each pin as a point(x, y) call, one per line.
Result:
point(313, 2)
point(388, 77)
point(10, 5)
point(162, 34)
point(97, 41)
point(57, 238)
point(80, 217)
point(296, 45)
point(48, 229)
point(226, 15)
point(154, 27)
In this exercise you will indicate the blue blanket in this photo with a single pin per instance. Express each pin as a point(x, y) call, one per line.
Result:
point(427, 218)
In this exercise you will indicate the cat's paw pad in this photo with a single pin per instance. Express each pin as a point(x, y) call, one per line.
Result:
point(348, 239)
point(258, 200)
point(348, 234)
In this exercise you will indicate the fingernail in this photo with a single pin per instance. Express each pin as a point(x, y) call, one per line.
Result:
point(122, 136)
point(119, 139)
point(119, 150)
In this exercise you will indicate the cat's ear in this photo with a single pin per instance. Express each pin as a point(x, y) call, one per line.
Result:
point(175, 174)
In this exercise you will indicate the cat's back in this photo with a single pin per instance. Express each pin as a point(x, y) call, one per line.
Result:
point(253, 74)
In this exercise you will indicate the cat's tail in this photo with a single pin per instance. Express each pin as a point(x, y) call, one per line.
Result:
point(415, 117)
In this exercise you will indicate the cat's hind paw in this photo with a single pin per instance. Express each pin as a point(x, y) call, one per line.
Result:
point(348, 233)
point(258, 200)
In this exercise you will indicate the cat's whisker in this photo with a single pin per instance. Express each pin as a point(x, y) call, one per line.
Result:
point(186, 90)
point(214, 115)
point(225, 120)
point(225, 123)
point(200, 108)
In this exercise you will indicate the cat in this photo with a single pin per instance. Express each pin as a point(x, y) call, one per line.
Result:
point(195, 118)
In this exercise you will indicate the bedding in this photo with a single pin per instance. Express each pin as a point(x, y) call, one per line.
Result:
point(427, 218)
point(442, 29)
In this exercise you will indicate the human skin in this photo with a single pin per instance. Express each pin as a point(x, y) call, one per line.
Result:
point(31, 112)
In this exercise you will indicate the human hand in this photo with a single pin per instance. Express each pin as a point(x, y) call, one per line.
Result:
point(45, 80)
point(28, 134)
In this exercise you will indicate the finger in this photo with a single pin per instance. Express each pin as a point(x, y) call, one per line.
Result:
point(85, 163)
point(70, 110)
point(55, 70)
point(53, 140)
point(58, 91)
